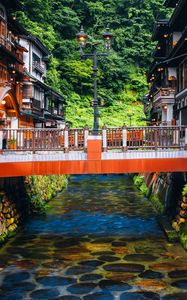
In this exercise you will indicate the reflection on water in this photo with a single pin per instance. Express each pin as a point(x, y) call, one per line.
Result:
point(99, 240)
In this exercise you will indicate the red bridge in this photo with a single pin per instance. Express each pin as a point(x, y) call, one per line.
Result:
point(76, 151)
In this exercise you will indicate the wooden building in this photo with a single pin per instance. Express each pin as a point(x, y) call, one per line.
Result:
point(11, 68)
point(25, 99)
point(168, 72)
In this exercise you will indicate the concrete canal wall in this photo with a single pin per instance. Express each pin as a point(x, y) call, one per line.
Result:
point(21, 197)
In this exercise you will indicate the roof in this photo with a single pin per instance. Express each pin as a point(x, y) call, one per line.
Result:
point(11, 4)
point(36, 42)
point(161, 28)
point(16, 27)
point(171, 3)
point(181, 46)
point(178, 18)
point(46, 87)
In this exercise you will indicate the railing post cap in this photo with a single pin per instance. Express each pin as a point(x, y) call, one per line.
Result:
point(104, 126)
point(124, 126)
point(66, 128)
point(86, 127)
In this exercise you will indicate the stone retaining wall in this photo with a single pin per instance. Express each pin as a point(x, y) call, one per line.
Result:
point(21, 197)
point(9, 217)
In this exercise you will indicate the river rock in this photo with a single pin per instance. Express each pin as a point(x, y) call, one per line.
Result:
point(181, 284)
point(108, 258)
point(149, 274)
point(120, 250)
point(92, 263)
point(91, 277)
point(119, 244)
point(96, 247)
point(169, 266)
point(98, 253)
point(130, 268)
point(99, 296)
point(176, 296)
point(113, 286)
point(44, 294)
point(119, 276)
point(67, 297)
point(16, 278)
point(178, 274)
point(140, 257)
point(81, 288)
point(151, 285)
point(79, 270)
point(53, 281)
point(141, 296)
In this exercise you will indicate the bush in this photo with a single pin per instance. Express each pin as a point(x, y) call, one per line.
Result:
point(184, 192)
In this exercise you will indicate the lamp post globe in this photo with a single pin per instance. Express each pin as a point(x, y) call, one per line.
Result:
point(82, 39)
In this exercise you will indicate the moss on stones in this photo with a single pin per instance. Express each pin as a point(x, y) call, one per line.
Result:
point(157, 203)
point(41, 189)
point(140, 183)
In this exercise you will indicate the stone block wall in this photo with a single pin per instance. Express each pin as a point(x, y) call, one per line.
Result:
point(9, 217)
point(21, 197)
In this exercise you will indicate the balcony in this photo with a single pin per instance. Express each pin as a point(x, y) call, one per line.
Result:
point(37, 66)
point(32, 105)
point(9, 49)
point(164, 96)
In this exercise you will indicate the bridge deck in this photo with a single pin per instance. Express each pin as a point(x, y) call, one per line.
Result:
point(25, 164)
point(81, 156)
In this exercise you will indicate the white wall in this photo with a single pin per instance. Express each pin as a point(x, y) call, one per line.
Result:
point(28, 59)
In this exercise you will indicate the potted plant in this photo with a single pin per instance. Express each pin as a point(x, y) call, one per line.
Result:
point(12, 144)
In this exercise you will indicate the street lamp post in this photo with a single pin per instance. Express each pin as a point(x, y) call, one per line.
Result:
point(82, 38)
point(130, 118)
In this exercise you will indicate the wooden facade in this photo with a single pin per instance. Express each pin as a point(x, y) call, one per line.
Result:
point(168, 72)
point(25, 99)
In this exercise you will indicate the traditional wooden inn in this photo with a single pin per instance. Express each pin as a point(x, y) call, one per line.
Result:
point(167, 100)
point(25, 99)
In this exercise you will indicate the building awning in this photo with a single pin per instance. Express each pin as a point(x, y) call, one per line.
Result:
point(34, 116)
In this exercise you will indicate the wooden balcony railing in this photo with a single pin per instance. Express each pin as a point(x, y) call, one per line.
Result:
point(36, 105)
point(126, 138)
point(36, 65)
point(7, 44)
point(164, 92)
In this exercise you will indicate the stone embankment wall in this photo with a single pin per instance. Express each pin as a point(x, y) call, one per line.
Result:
point(166, 192)
point(21, 197)
point(9, 217)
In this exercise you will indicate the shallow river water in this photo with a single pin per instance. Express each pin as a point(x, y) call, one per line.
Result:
point(99, 241)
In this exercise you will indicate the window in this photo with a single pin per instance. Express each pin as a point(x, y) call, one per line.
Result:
point(2, 13)
point(35, 58)
point(36, 93)
point(27, 91)
point(2, 32)
point(3, 74)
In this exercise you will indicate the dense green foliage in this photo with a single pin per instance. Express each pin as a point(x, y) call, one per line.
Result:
point(121, 80)
point(41, 189)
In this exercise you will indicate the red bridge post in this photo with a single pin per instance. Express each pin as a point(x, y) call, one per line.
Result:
point(94, 147)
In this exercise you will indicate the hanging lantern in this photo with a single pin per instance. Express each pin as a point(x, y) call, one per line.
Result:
point(82, 37)
point(107, 36)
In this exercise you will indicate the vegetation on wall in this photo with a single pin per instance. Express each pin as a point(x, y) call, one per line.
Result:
point(121, 80)
point(41, 189)
point(183, 230)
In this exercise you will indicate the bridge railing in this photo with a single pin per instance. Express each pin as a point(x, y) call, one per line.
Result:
point(150, 137)
point(124, 138)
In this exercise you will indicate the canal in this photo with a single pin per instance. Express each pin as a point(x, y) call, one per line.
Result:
point(100, 240)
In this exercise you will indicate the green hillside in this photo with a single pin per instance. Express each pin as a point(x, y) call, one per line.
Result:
point(121, 80)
